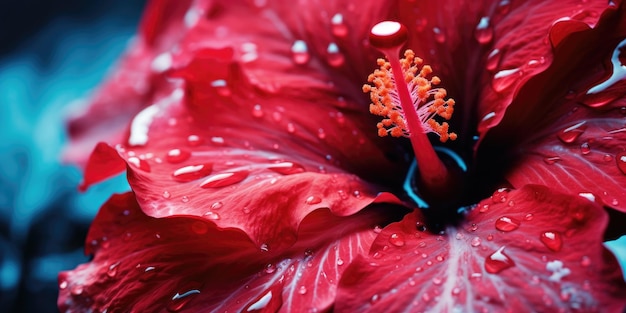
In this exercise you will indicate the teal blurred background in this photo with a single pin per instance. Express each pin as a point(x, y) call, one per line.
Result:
point(53, 53)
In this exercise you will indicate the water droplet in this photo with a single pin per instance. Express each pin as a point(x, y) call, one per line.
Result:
point(270, 301)
point(224, 179)
point(277, 116)
point(181, 299)
point(177, 155)
point(500, 195)
point(551, 160)
point(300, 52)
point(192, 172)
point(484, 31)
point(338, 26)
point(340, 262)
point(342, 194)
point(585, 261)
point(552, 240)
point(139, 164)
point(313, 200)
point(420, 226)
point(184, 199)
point(287, 168)
point(194, 140)
point(218, 141)
point(611, 88)
point(498, 261)
point(505, 79)
point(621, 162)
point(77, 290)
point(507, 224)
point(112, 271)
point(321, 134)
point(302, 290)
point(63, 284)
point(493, 60)
point(585, 148)
point(356, 194)
point(374, 299)
point(440, 35)
point(607, 158)
point(396, 240)
point(291, 128)
point(265, 247)
point(221, 87)
point(257, 111)
point(476, 241)
point(529, 217)
point(333, 56)
point(503, 7)
point(166, 194)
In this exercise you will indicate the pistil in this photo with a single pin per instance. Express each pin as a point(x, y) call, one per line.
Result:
point(402, 92)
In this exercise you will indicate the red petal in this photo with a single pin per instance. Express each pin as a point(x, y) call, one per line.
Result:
point(553, 261)
point(575, 143)
point(103, 163)
point(145, 264)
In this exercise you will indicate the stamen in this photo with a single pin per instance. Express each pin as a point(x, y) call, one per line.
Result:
point(403, 92)
point(428, 101)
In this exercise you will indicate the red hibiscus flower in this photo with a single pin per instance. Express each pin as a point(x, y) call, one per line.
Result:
point(260, 184)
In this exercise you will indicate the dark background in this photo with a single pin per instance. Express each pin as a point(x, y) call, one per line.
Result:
point(52, 52)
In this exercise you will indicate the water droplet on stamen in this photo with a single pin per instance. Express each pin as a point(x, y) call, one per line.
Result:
point(300, 52)
point(498, 261)
point(224, 179)
point(483, 32)
point(552, 240)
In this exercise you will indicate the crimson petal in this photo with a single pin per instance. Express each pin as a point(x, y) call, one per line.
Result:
point(187, 263)
point(550, 259)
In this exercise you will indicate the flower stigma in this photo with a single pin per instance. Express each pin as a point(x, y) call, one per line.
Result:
point(403, 91)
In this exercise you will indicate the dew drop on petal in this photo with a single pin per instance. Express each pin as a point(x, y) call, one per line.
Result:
point(194, 140)
point(552, 240)
point(621, 162)
point(192, 172)
point(504, 7)
point(498, 261)
point(139, 164)
point(529, 217)
point(302, 290)
point(607, 158)
point(77, 290)
point(321, 134)
point(338, 26)
point(63, 284)
point(374, 299)
point(585, 148)
point(184, 199)
point(166, 194)
point(224, 179)
point(333, 56)
point(397, 240)
point(300, 52)
point(507, 224)
point(112, 271)
point(181, 299)
point(484, 31)
point(439, 34)
point(291, 128)
point(340, 262)
point(287, 168)
point(500, 195)
point(177, 155)
point(476, 241)
point(270, 301)
point(493, 60)
point(257, 111)
point(313, 200)
point(505, 79)
point(585, 261)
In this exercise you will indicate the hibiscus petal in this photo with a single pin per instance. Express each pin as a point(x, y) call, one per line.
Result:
point(529, 250)
point(145, 264)
point(564, 136)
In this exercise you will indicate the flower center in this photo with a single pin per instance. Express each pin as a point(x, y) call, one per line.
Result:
point(403, 92)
